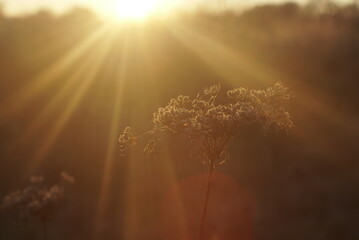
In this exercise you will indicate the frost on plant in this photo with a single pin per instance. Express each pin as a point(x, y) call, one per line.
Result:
point(211, 126)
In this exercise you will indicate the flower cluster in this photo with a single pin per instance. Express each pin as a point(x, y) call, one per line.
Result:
point(126, 139)
point(37, 200)
point(66, 178)
point(213, 125)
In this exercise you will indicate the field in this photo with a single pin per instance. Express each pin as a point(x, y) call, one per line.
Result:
point(70, 84)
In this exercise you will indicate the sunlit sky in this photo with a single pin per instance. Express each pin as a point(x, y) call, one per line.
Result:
point(108, 6)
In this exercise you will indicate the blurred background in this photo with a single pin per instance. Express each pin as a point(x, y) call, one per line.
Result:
point(73, 76)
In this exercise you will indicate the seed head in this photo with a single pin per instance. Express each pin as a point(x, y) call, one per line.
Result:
point(211, 126)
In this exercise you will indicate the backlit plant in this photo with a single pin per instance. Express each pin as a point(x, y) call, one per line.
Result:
point(37, 201)
point(211, 126)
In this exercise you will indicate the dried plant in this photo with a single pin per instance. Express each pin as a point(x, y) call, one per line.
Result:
point(211, 126)
point(37, 200)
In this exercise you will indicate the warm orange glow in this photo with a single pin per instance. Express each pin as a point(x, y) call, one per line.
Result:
point(93, 92)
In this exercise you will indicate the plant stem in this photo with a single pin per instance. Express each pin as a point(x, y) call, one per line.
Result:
point(44, 228)
point(206, 199)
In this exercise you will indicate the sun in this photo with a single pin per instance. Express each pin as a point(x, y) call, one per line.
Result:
point(135, 9)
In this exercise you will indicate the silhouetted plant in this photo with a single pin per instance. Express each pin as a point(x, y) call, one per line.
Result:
point(37, 201)
point(211, 126)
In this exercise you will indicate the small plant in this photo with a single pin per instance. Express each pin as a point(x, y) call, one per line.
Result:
point(37, 201)
point(211, 126)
